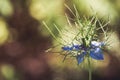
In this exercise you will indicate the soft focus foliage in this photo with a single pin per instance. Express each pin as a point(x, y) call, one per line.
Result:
point(6, 8)
point(40, 9)
point(8, 72)
point(3, 31)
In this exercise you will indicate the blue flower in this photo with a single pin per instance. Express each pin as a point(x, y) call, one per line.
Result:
point(94, 50)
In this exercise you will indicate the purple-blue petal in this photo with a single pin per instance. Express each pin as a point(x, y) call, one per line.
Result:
point(97, 54)
point(67, 48)
point(80, 57)
point(96, 44)
point(76, 47)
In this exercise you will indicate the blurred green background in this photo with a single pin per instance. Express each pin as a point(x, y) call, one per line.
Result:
point(24, 39)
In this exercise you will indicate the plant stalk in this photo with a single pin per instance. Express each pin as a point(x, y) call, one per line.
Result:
point(89, 69)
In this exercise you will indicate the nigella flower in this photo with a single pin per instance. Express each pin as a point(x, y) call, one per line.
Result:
point(84, 32)
point(94, 51)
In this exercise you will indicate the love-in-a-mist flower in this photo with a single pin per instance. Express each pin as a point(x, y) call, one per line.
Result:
point(81, 39)
point(94, 50)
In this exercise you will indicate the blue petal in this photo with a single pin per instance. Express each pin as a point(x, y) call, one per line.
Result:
point(97, 54)
point(80, 57)
point(97, 44)
point(76, 47)
point(67, 48)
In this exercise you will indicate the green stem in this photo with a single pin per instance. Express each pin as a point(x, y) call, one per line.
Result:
point(89, 69)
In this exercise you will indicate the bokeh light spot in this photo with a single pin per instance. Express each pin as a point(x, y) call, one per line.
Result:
point(6, 8)
point(3, 31)
point(7, 72)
